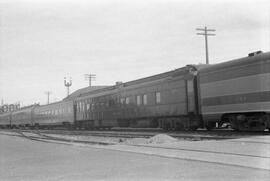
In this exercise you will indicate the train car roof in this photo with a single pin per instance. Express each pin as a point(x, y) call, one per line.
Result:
point(25, 109)
point(106, 89)
point(172, 73)
point(84, 91)
point(236, 62)
point(52, 104)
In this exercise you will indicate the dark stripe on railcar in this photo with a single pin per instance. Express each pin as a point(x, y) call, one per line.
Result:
point(237, 99)
point(235, 72)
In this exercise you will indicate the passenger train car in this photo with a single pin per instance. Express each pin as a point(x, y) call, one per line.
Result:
point(5, 120)
point(195, 96)
point(238, 92)
point(166, 100)
point(23, 117)
point(55, 114)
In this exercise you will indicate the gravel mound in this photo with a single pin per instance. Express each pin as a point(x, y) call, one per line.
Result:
point(161, 138)
point(157, 139)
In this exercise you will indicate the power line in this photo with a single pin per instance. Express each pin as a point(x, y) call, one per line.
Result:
point(90, 78)
point(204, 32)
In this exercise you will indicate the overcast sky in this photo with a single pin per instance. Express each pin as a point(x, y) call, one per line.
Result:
point(41, 42)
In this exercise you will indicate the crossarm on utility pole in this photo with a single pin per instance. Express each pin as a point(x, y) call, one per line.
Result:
point(206, 34)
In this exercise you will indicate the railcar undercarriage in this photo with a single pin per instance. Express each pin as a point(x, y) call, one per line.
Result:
point(258, 121)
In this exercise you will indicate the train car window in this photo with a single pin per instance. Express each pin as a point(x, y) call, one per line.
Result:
point(83, 106)
point(122, 100)
point(80, 106)
point(111, 103)
point(138, 100)
point(144, 99)
point(127, 100)
point(92, 106)
point(158, 97)
point(88, 107)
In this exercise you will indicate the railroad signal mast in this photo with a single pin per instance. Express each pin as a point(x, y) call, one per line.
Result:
point(67, 84)
point(90, 78)
point(204, 32)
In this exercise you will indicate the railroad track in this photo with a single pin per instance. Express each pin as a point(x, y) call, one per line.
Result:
point(191, 135)
point(36, 136)
point(188, 135)
point(184, 135)
point(155, 150)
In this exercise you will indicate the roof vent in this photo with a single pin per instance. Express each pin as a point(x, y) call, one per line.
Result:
point(118, 83)
point(254, 53)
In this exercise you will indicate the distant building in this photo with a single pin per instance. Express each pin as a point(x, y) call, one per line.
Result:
point(9, 107)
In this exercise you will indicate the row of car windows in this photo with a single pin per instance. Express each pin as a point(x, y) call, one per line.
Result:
point(24, 116)
point(88, 105)
point(58, 111)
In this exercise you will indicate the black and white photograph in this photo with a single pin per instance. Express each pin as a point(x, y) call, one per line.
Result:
point(134, 90)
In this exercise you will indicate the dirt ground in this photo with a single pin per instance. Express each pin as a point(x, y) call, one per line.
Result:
point(22, 159)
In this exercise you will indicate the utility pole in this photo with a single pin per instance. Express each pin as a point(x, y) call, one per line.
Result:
point(90, 77)
point(68, 84)
point(205, 34)
point(48, 96)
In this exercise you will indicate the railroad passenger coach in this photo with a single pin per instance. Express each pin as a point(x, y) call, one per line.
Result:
point(238, 92)
point(23, 117)
point(18, 118)
point(55, 114)
point(167, 100)
point(5, 120)
point(96, 109)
